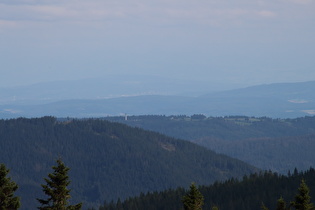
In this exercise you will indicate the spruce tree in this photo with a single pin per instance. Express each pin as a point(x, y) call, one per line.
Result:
point(7, 189)
point(281, 205)
point(193, 200)
point(303, 199)
point(57, 191)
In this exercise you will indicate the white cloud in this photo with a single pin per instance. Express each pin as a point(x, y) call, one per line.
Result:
point(86, 31)
point(7, 23)
point(303, 1)
point(267, 14)
point(143, 11)
point(54, 12)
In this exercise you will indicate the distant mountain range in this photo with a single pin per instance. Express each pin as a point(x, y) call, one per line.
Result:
point(112, 86)
point(283, 100)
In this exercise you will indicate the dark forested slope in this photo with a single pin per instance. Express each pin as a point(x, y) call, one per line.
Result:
point(277, 144)
point(107, 160)
point(247, 194)
point(228, 128)
point(278, 154)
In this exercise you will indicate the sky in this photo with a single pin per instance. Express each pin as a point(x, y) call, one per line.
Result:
point(228, 42)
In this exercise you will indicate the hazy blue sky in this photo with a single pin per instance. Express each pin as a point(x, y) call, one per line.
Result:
point(233, 41)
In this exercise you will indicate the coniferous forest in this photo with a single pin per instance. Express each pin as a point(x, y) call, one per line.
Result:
point(276, 144)
point(115, 166)
point(248, 193)
point(107, 160)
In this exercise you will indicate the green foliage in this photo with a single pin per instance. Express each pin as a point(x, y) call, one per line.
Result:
point(193, 200)
point(57, 191)
point(303, 199)
point(246, 194)
point(281, 204)
point(7, 189)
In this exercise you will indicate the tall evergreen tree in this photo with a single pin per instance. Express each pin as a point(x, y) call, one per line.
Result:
point(7, 189)
point(303, 199)
point(193, 200)
point(281, 205)
point(57, 191)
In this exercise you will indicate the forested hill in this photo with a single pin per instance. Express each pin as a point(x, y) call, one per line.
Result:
point(276, 144)
point(277, 154)
point(246, 194)
point(227, 128)
point(107, 160)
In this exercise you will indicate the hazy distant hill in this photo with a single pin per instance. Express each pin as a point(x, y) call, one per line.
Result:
point(107, 160)
point(277, 144)
point(101, 88)
point(275, 100)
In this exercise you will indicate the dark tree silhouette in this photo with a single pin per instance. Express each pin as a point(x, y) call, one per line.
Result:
point(193, 200)
point(57, 191)
point(7, 189)
point(303, 199)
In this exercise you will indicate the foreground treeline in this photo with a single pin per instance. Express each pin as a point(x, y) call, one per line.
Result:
point(247, 194)
point(256, 190)
point(55, 189)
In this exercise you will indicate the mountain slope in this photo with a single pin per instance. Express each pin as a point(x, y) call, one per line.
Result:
point(107, 160)
point(277, 144)
point(277, 154)
point(230, 128)
point(246, 194)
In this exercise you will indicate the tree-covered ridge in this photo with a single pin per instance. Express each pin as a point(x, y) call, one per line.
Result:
point(226, 128)
point(278, 154)
point(107, 160)
point(277, 144)
point(246, 194)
